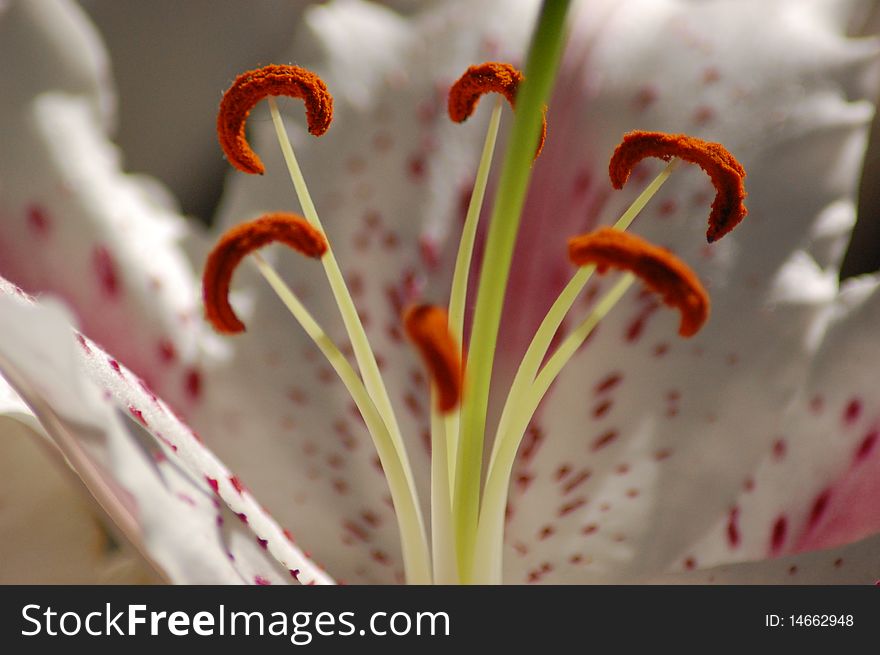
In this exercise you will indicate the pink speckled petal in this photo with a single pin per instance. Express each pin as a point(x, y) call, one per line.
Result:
point(647, 440)
point(817, 484)
point(854, 564)
point(166, 493)
point(71, 222)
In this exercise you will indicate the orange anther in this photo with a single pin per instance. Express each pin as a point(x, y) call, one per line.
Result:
point(489, 77)
point(427, 327)
point(241, 240)
point(725, 171)
point(662, 271)
point(251, 87)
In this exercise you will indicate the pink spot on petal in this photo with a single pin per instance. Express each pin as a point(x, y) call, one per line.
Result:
point(531, 442)
point(667, 208)
point(780, 447)
point(703, 115)
point(852, 412)
point(778, 535)
point(817, 511)
point(138, 414)
point(866, 447)
point(429, 252)
point(105, 268)
point(38, 221)
point(576, 481)
point(637, 326)
point(546, 532)
point(569, 507)
point(356, 531)
point(603, 440)
point(192, 382)
point(608, 383)
point(645, 97)
point(417, 167)
point(260, 580)
point(733, 536)
point(167, 352)
point(711, 75)
point(601, 409)
point(82, 342)
point(382, 141)
point(523, 480)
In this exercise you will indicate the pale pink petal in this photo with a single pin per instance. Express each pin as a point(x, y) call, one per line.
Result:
point(647, 440)
point(817, 485)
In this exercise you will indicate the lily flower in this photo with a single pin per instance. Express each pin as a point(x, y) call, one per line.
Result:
point(613, 451)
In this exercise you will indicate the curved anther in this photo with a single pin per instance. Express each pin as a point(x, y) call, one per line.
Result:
point(725, 171)
point(251, 87)
point(488, 77)
point(241, 240)
point(658, 268)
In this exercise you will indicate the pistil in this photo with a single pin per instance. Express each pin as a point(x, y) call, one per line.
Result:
point(540, 71)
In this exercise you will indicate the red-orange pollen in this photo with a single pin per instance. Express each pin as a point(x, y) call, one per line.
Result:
point(488, 77)
point(658, 268)
point(251, 87)
point(241, 240)
point(427, 326)
point(725, 171)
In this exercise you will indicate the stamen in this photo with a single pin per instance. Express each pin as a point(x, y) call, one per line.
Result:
point(416, 557)
point(252, 86)
point(427, 326)
point(235, 244)
point(488, 77)
point(726, 172)
point(417, 566)
point(658, 268)
point(461, 272)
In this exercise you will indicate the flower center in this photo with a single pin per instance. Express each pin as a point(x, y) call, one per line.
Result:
point(467, 517)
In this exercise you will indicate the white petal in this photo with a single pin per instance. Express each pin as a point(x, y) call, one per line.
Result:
point(51, 534)
point(160, 493)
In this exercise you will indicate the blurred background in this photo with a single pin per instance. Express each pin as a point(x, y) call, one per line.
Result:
point(159, 38)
